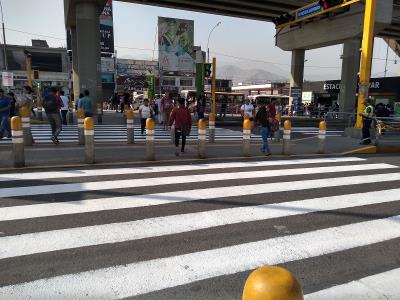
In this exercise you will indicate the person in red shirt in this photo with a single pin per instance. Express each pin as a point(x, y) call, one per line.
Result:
point(183, 123)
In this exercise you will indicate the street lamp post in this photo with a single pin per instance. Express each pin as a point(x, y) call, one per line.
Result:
point(4, 38)
point(208, 41)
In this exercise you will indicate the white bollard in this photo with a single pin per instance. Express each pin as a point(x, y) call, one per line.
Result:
point(287, 130)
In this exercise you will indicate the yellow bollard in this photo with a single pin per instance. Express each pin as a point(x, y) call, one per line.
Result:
point(272, 283)
point(18, 142)
point(26, 125)
point(246, 137)
point(211, 127)
point(150, 125)
point(202, 138)
point(321, 137)
point(287, 129)
point(129, 127)
point(80, 118)
point(89, 140)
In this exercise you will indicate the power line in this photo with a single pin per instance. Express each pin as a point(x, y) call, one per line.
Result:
point(36, 34)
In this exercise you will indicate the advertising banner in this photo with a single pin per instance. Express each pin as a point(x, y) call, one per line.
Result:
point(131, 67)
point(106, 29)
point(175, 44)
point(8, 79)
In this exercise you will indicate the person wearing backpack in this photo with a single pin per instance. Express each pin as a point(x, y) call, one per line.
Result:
point(52, 105)
point(263, 118)
point(183, 123)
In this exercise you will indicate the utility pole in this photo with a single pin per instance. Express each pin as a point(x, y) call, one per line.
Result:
point(213, 86)
point(4, 38)
point(28, 56)
point(366, 57)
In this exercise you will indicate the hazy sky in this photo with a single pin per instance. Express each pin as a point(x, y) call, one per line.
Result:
point(251, 42)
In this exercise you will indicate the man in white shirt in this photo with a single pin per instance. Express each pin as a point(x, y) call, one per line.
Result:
point(145, 112)
point(64, 109)
point(247, 108)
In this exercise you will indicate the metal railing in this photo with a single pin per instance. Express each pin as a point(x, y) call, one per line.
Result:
point(387, 128)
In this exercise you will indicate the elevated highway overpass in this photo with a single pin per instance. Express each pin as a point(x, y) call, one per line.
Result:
point(81, 18)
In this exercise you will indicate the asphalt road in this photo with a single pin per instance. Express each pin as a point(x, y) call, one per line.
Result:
point(197, 231)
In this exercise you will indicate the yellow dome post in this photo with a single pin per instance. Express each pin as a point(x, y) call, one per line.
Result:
point(89, 140)
point(287, 130)
point(18, 142)
point(272, 283)
point(202, 138)
point(246, 137)
point(80, 114)
point(150, 125)
point(321, 137)
point(26, 125)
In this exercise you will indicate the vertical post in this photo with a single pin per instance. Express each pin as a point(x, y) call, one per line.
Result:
point(89, 140)
point(129, 127)
point(213, 87)
point(18, 142)
point(202, 138)
point(211, 127)
point(287, 130)
point(296, 73)
point(150, 139)
point(26, 125)
point(29, 68)
point(321, 137)
point(366, 57)
point(277, 134)
point(80, 116)
point(246, 137)
point(39, 105)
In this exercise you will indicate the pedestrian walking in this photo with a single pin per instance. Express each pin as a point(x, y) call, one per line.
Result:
point(64, 109)
point(367, 116)
point(166, 108)
point(183, 123)
point(263, 118)
point(52, 105)
point(26, 99)
point(145, 112)
point(86, 104)
point(5, 105)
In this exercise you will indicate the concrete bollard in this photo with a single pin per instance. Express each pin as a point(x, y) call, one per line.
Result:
point(89, 140)
point(40, 113)
point(321, 137)
point(246, 137)
point(26, 125)
point(278, 133)
point(18, 142)
point(129, 127)
point(80, 117)
point(150, 125)
point(287, 130)
point(99, 113)
point(272, 283)
point(211, 127)
point(202, 138)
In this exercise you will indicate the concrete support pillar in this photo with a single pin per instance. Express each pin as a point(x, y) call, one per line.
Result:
point(75, 64)
point(297, 70)
point(88, 49)
point(350, 69)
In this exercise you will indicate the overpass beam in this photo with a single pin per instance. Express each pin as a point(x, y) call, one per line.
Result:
point(296, 71)
point(350, 69)
point(88, 48)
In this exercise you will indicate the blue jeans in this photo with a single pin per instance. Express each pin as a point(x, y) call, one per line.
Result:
point(264, 134)
point(4, 126)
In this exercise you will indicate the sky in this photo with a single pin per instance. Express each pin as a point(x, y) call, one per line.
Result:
point(245, 43)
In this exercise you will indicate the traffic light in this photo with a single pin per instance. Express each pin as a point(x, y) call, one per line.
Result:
point(330, 3)
point(38, 84)
point(35, 74)
point(207, 70)
point(282, 19)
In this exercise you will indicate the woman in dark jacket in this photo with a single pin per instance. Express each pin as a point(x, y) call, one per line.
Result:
point(263, 118)
point(183, 123)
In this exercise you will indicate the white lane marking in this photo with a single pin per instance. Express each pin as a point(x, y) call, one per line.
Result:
point(143, 170)
point(148, 182)
point(62, 239)
point(383, 286)
point(92, 205)
point(154, 275)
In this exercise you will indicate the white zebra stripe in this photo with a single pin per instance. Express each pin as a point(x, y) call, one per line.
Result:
point(157, 274)
point(131, 183)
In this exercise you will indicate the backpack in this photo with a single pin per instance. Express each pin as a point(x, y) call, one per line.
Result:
point(50, 104)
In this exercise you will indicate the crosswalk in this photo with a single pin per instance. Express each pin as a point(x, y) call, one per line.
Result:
point(117, 133)
point(196, 231)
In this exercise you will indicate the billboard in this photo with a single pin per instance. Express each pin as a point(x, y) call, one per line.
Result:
point(106, 29)
point(175, 45)
point(131, 67)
